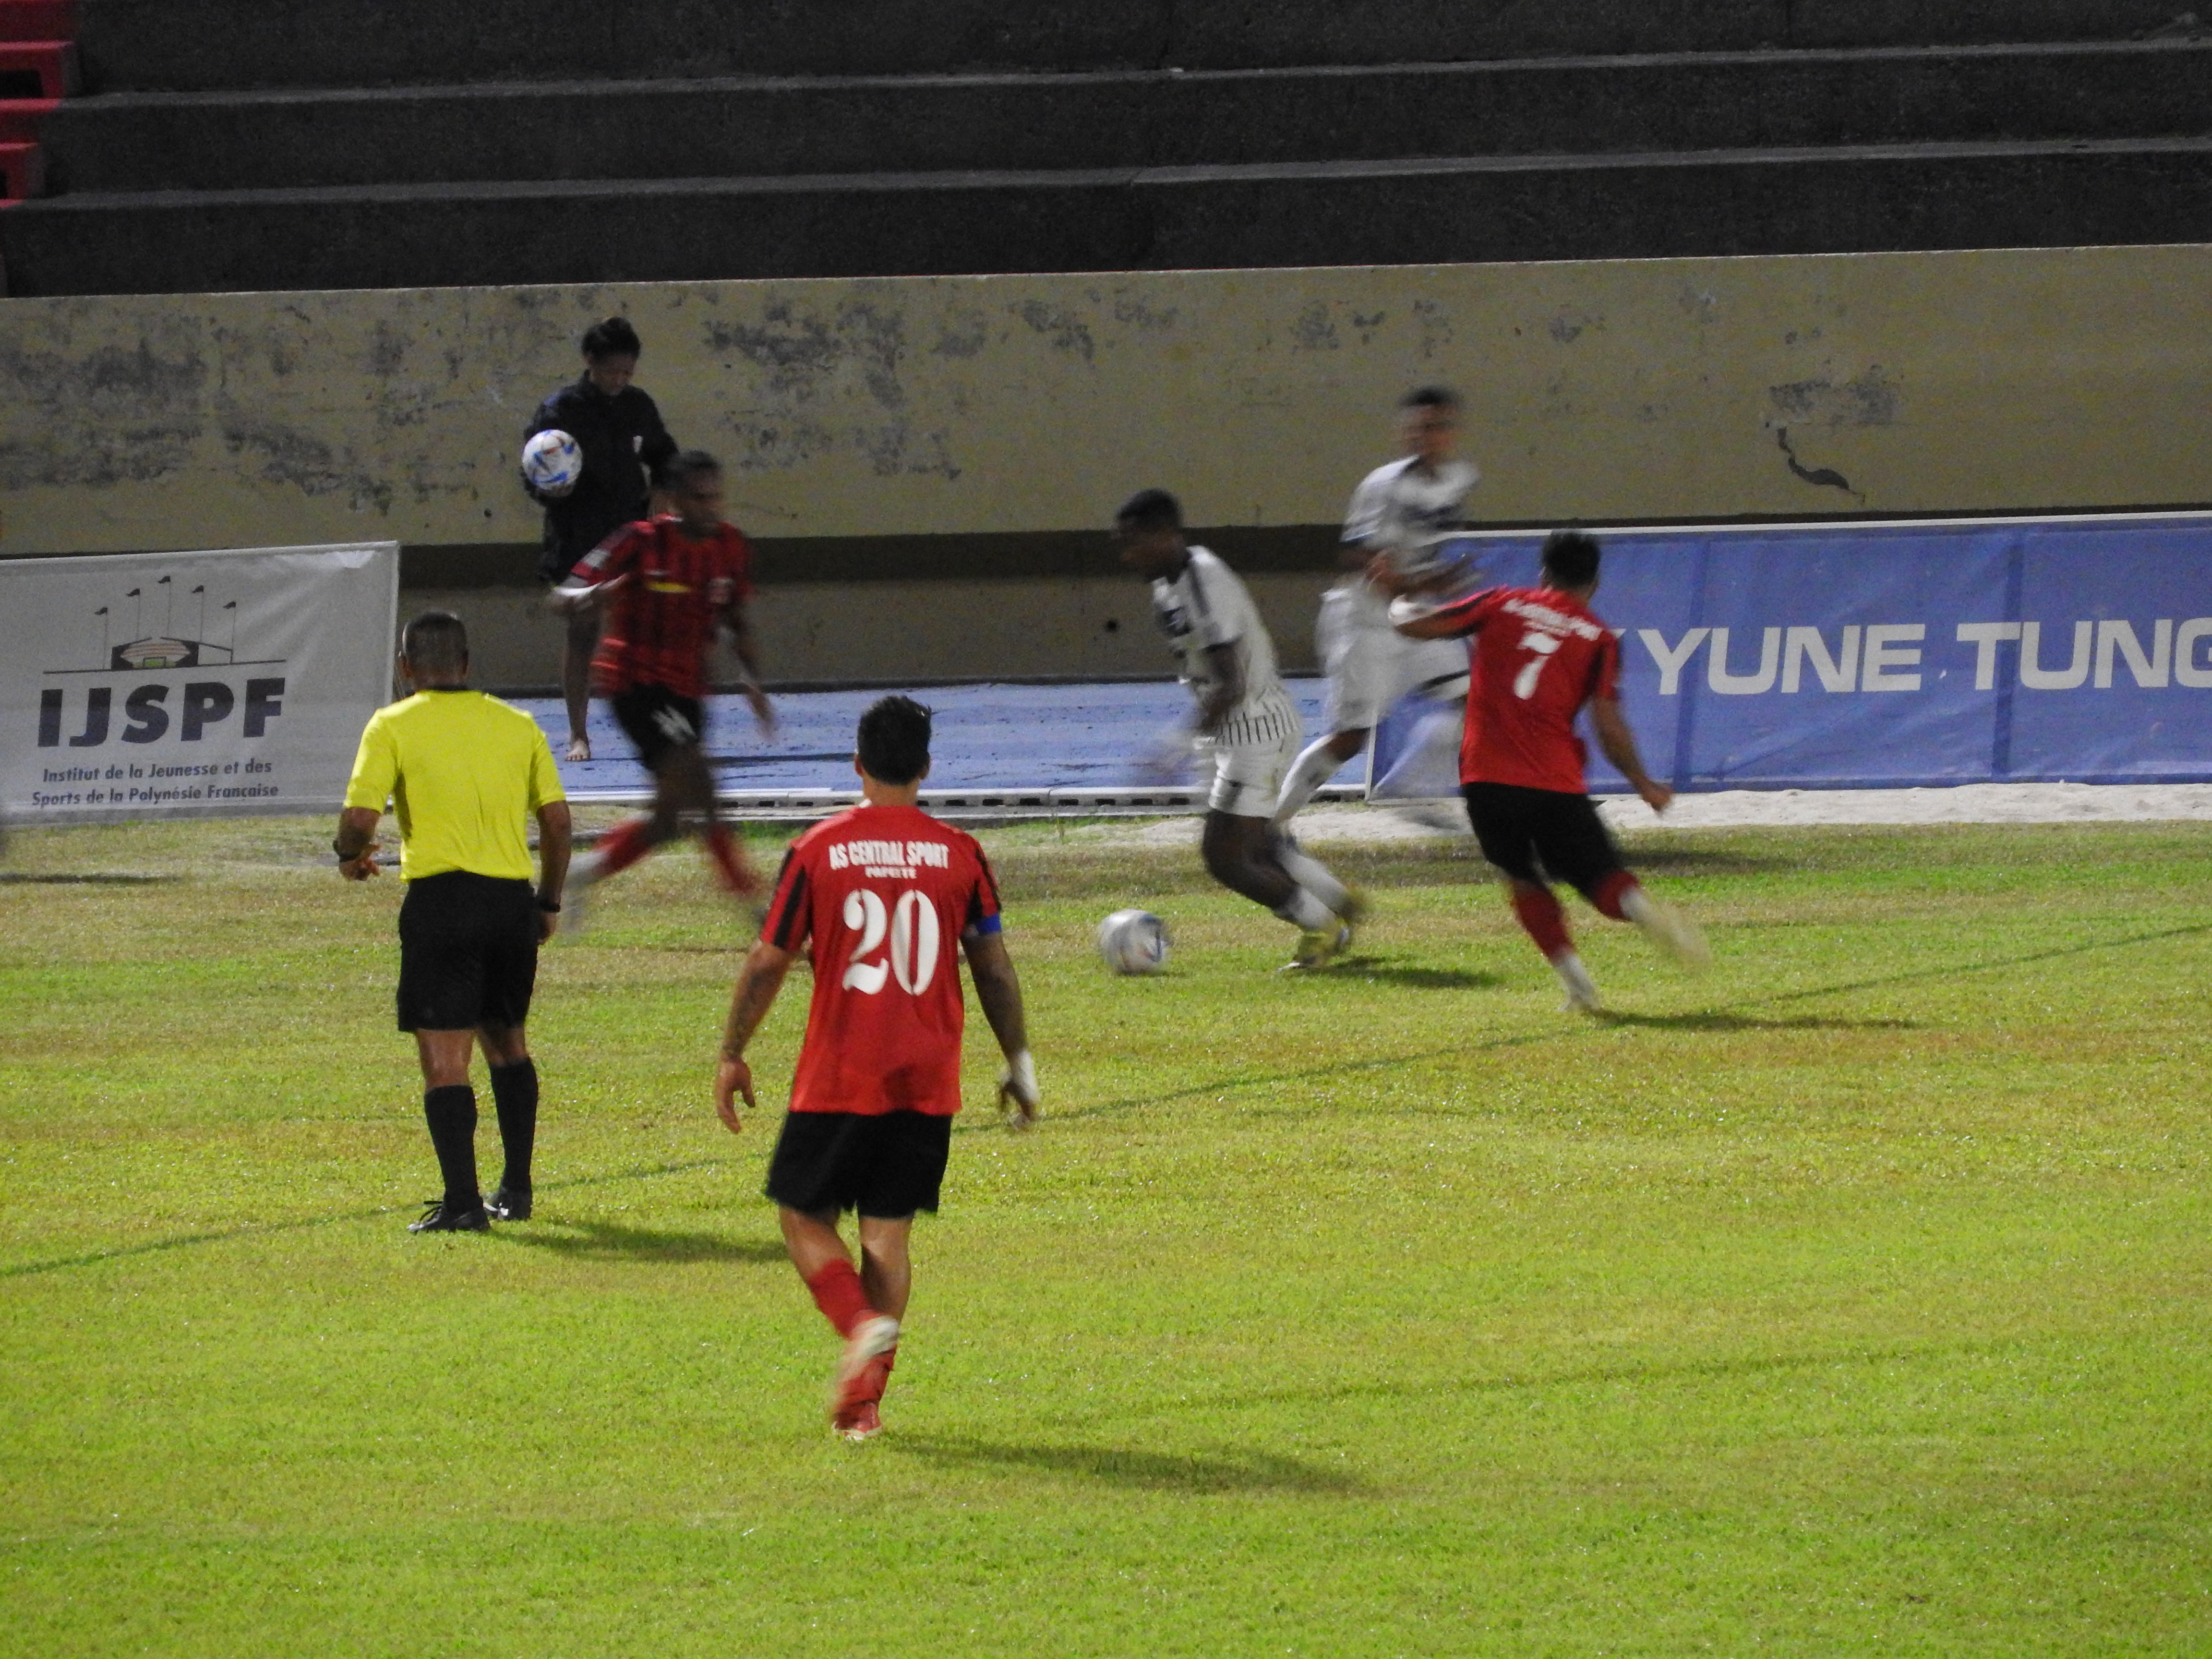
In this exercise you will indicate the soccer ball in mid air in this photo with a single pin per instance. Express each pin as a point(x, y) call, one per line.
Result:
point(551, 460)
point(1133, 942)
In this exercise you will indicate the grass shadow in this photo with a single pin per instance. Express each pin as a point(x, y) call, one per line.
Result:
point(612, 1241)
point(1731, 1369)
point(304, 1223)
point(1952, 970)
point(1719, 1020)
point(81, 878)
point(1236, 1471)
point(1413, 979)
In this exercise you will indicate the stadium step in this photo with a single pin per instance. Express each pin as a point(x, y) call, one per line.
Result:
point(750, 127)
point(21, 118)
point(1841, 198)
point(189, 45)
point(38, 69)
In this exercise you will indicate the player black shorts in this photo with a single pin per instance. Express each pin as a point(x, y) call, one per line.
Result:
point(468, 953)
point(1541, 836)
point(657, 719)
point(887, 1166)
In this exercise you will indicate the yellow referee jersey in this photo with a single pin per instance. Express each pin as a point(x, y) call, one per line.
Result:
point(464, 772)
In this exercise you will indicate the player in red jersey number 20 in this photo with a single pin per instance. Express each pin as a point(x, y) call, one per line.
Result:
point(883, 892)
point(1538, 655)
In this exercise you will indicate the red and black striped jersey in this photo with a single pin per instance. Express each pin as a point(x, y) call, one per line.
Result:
point(886, 894)
point(659, 627)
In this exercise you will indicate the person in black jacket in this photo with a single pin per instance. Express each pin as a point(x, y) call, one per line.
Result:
point(625, 445)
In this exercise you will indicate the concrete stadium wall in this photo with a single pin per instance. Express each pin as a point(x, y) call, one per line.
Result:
point(928, 462)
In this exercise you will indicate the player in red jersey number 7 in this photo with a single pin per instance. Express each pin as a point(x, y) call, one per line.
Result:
point(668, 584)
point(1538, 655)
point(883, 892)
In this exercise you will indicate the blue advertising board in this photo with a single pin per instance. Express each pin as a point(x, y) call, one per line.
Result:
point(1889, 655)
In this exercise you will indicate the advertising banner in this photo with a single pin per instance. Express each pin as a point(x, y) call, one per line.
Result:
point(1886, 655)
point(190, 684)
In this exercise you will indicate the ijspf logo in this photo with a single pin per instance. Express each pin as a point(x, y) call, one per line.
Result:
point(145, 712)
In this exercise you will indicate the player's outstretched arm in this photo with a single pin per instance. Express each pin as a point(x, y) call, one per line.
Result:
point(355, 842)
point(999, 989)
point(574, 595)
point(741, 641)
point(1619, 744)
point(1415, 616)
point(758, 980)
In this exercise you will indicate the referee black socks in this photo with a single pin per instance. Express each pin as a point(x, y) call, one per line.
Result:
point(514, 1096)
point(451, 1112)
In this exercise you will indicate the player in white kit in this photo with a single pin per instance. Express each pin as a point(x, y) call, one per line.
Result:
point(1246, 724)
point(1399, 515)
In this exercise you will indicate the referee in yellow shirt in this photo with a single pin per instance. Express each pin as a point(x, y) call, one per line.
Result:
point(464, 772)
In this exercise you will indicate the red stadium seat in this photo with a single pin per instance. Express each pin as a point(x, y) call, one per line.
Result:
point(23, 167)
point(54, 62)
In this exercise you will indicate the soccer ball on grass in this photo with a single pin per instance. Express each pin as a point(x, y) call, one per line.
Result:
point(1133, 942)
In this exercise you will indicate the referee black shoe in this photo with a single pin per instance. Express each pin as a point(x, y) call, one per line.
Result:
point(509, 1204)
point(442, 1218)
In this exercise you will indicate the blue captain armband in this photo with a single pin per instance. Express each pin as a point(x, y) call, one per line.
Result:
point(984, 925)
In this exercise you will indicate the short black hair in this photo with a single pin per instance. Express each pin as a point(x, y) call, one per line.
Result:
point(1430, 397)
point(894, 740)
point(612, 336)
point(437, 641)
point(1151, 509)
point(1571, 558)
point(677, 471)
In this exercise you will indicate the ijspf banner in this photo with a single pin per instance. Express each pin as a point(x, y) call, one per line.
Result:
point(190, 684)
point(1890, 655)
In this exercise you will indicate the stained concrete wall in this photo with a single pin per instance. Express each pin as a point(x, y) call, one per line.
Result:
point(966, 426)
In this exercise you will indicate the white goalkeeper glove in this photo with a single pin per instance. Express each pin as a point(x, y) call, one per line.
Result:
point(1018, 1091)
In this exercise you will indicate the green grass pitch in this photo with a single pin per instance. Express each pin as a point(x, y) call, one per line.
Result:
point(1855, 1299)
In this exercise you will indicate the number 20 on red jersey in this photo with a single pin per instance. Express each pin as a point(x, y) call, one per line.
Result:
point(915, 939)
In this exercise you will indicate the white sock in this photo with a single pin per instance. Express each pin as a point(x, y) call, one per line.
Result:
point(1314, 767)
point(1311, 873)
point(1636, 905)
point(584, 869)
point(1580, 986)
point(1302, 909)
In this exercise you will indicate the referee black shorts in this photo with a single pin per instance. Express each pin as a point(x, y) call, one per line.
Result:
point(887, 1165)
point(1542, 835)
point(468, 953)
point(656, 720)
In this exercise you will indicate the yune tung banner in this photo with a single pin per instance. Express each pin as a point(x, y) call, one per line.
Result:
point(1887, 655)
point(162, 685)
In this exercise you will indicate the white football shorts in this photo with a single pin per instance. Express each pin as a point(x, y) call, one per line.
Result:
point(1371, 664)
point(1252, 757)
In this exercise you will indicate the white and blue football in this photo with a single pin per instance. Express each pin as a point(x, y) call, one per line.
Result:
point(1133, 942)
point(551, 460)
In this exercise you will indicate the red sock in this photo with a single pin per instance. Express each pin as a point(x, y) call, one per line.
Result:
point(623, 846)
point(1542, 919)
point(729, 865)
point(837, 1293)
point(879, 1374)
point(1610, 891)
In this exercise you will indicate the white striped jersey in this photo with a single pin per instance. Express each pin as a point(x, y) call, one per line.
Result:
point(1205, 606)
